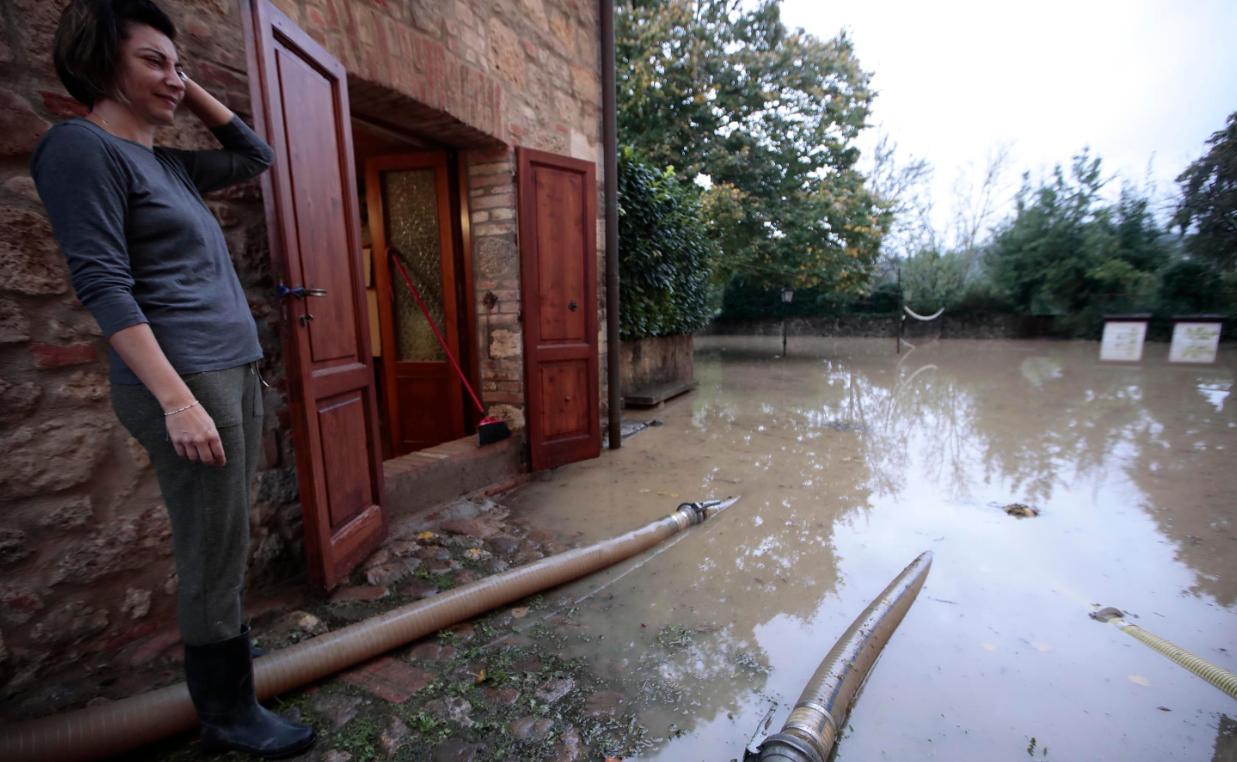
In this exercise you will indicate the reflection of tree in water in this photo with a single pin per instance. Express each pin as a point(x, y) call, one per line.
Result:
point(747, 431)
point(1041, 422)
point(1022, 420)
point(810, 439)
point(1184, 466)
point(1040, 434)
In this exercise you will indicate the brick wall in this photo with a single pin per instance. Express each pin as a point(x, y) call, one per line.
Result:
point(85, 566)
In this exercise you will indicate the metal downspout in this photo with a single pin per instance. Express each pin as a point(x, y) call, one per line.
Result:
point(117, 727)
point(610, 149)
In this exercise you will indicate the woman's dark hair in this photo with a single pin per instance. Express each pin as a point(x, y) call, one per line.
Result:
point(87, 44)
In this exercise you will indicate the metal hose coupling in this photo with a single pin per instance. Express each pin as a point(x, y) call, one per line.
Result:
point(690, 514)
point(811, 730)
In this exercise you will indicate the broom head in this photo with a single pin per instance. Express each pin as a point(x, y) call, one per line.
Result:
point(491, 430)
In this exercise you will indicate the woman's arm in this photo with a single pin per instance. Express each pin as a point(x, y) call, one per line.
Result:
point(206, 106)
point(244, 155)
point(191, 430)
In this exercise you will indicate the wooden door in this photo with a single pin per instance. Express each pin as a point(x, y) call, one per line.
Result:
point(409, 203)
point(558, 273)
point(300, 100)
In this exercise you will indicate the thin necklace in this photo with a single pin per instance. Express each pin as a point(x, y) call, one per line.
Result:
point(103, 122)
point(107, 127)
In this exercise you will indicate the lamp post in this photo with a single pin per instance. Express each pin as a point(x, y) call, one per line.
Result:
point(788, 296)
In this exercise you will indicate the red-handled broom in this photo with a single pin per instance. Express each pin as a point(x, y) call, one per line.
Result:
point(490, 429)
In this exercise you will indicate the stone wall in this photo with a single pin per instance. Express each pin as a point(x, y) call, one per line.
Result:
point(991, 326)
point(84, 554)
point(655, 361)
point(883, 326)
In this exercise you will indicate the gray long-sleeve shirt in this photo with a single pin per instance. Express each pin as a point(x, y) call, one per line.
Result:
point(141, 244)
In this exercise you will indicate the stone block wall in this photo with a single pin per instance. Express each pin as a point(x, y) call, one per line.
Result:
point(85, 566)
point(656, 361)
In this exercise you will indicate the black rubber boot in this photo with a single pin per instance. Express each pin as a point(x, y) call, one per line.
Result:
point(220, 679)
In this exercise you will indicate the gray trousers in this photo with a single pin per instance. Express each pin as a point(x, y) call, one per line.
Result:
point(208, 505)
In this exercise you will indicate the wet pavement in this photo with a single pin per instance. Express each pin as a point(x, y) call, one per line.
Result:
point(851, 461)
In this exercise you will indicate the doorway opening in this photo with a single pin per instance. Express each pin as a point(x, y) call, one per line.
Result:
point(413, 205)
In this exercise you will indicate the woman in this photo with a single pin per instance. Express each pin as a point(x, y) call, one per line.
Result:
point(149, 261)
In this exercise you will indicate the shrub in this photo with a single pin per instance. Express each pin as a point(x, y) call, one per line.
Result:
point(665, 252)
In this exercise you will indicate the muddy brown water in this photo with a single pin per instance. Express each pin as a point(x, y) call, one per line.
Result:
point(851, 460)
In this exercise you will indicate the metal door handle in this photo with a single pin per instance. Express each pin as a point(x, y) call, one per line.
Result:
point(300, 292)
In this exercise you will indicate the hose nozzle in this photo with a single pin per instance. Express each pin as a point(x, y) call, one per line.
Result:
point(705, 509)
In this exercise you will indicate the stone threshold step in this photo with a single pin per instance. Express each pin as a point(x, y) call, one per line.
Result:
point(426, 478)
point(654, 395)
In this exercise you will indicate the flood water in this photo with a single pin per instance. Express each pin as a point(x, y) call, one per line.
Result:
point(851, 460)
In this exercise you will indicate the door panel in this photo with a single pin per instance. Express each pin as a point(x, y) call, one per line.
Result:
point(559, 203)
point(315, 199)
point(558, 266)
point(410, 217)
point(300, 99)
point(562, 383)
point(343, 419)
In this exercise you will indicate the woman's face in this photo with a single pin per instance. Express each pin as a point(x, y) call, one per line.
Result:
point(149, 75)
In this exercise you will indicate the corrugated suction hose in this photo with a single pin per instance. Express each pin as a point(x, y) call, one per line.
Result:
point(113, 728)
point(811, 730)
point(1217, 676)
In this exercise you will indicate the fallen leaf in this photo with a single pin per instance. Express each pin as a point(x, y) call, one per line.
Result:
point(519, 612)
point(1140, 680)
point(426, 535)
point(481, 677)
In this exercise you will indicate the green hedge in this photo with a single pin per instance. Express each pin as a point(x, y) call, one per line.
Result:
point(665, 252)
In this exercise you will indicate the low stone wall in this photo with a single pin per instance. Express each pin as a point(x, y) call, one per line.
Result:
point(884, 326)
point(993, 326)
point(655, 361)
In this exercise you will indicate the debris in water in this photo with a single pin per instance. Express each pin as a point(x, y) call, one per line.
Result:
point(1139, 680)
point(673, 636)
point(1021, 510)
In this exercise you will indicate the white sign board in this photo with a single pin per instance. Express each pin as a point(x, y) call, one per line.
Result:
point(1194, 342)
point(1123, 340)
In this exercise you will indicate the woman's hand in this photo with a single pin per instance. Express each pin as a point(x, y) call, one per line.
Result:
point(204, 105)
point(190, 428)
point(195, 437)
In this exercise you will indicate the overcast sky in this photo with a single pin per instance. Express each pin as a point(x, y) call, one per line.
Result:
point(1139, 81)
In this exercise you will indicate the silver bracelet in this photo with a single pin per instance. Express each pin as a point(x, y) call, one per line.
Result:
point(195, 403)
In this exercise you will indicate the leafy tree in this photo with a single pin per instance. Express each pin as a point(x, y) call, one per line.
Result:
point(665, 252)
point(720, 89)
point(1065, 252)
point(1189, 286)
point(1208, 208)
point(931, 279)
